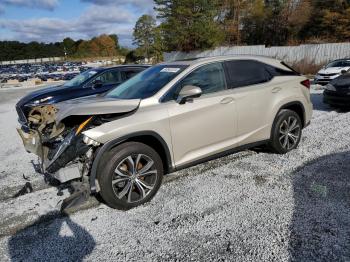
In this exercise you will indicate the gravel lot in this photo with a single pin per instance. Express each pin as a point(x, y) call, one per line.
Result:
point(250, 206)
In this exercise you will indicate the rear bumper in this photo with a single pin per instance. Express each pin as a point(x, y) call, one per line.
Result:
point(336, 99)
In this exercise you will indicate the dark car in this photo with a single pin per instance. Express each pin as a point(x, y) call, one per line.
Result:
point(337, 92)
point(91, 82)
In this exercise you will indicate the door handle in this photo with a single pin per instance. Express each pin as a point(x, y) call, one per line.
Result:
point(276, 90)
point(227, 100)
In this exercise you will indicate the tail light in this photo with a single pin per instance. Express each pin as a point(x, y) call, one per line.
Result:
point(306, 83)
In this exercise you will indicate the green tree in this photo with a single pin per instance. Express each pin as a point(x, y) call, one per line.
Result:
point(69, 46)
point(144, 35)
point(189, 24)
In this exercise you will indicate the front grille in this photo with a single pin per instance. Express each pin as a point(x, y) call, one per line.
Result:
point(328, 74)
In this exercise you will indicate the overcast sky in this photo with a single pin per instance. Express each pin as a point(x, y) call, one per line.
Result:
point(53, 20)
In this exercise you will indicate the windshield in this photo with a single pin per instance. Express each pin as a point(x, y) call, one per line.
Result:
point(343, 63)
point(81, 78)
point(147, 83)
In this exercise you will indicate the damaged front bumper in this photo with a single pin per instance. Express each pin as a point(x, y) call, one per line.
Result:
point(62, 166)
point(31, 141)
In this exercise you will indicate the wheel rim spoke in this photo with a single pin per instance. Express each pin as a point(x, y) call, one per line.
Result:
point(120, 172)
point(118, 180)
point(141, 190)
point(152, 172)
point(125, 190)
point(132, 164)
point(144, 184)
point(146, 167)
point(130, 192)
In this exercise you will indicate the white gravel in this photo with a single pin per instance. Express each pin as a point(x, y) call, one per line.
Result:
point(250, 206)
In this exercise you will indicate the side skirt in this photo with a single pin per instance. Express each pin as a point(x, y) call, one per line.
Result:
point(219, 155)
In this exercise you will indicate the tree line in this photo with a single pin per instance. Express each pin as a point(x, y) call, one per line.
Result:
point(101, 46)
point(187, 25)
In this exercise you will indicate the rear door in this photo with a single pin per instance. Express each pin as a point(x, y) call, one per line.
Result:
point(206, 125)
point(254, 93)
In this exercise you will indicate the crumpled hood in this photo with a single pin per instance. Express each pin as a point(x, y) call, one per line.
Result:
point(333, 70)
point(94, 105)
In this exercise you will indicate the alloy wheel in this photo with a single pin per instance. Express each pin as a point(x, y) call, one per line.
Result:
point(289, 132)
point(134, 178)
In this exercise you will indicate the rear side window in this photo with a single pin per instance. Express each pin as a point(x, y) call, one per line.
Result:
point(127, 74)
point(242, 73)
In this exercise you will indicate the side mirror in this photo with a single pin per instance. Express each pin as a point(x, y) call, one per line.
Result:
point(343, 72)
point(188, 93)
point(97, 84)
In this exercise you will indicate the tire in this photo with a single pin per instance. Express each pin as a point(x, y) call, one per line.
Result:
point(286, 132)
point(123, 188)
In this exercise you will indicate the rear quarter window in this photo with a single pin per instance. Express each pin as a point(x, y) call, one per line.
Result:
point(242, 73)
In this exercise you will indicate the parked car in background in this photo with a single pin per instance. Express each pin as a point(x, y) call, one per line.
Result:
point(168, 117)
point(331, 71)
point(337, 92)
point(91, 82)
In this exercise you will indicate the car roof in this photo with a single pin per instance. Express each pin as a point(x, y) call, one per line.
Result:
point(103, 68)
point(203, 60)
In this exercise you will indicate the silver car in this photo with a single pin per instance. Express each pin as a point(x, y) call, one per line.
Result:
point(169, 117)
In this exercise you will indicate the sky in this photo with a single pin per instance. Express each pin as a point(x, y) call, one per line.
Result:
point(53, 20)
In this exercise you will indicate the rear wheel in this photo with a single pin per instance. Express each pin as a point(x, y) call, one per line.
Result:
point(286, 132)
point(130, 176)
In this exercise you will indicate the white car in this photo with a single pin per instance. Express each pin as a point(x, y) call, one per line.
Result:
point(332, 71)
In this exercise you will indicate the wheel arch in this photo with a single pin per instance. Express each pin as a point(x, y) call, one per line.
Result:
point(149, 138)
point(297, 107)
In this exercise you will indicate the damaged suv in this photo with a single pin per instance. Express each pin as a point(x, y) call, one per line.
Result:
point(170, 116)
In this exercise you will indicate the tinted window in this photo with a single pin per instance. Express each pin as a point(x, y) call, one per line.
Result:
point(246, 72)
point(147, 83)
point(127, 74)
point(110, 77)
point(210, 78)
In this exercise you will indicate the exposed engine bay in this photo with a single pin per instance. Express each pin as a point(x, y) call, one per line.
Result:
point(62, 149)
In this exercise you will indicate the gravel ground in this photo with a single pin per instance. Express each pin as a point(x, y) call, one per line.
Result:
point(250, 206)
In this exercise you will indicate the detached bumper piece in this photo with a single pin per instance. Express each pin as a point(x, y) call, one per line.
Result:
point(80, 195)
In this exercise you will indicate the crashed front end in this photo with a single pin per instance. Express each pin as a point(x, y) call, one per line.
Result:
point(60, 146)
point(55, 134)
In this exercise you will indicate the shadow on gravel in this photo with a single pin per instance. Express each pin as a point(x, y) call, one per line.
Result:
point(320, 227)
point(54, 237)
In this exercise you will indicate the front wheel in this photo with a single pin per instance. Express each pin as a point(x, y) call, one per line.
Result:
point(286, 132)
point(130, 175)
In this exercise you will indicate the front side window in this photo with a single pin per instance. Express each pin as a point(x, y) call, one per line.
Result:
point(242, 73)
point(147, 83)
point(109, 77)
point(210, 78)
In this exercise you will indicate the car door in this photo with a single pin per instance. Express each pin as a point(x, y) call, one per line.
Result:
point(254, 93)
point(206, 125)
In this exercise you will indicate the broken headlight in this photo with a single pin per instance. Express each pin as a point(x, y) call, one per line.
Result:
point(90, 142)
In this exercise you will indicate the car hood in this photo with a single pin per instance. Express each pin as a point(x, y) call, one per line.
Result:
point(42, 93)
point(333, 70)
point(342, 81)
point(94, 105)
